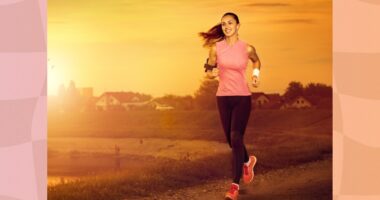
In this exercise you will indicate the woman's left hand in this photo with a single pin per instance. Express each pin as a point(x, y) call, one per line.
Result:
point(255, 81)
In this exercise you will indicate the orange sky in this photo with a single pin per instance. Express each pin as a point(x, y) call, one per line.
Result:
point(152, 46)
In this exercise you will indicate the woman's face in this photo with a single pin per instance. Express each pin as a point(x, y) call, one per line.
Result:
point(229, 25)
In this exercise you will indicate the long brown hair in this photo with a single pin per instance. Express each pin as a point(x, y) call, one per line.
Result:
point(216, 34)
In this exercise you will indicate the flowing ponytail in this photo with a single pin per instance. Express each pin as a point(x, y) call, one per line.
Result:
point(216, 34)
point(213, 35)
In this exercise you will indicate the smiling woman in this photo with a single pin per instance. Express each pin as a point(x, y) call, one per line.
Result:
point(231, 55)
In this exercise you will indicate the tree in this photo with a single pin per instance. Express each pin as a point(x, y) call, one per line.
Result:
point(293, 90)
point(72, 98)
point(319, 94)
point(318, 89)
point(205, 96)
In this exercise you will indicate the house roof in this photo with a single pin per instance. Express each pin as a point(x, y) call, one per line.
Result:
point(256, 95)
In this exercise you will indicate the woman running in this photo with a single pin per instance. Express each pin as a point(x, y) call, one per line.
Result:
point(229, 55)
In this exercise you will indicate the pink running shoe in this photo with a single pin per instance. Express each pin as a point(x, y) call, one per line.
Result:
point(233, 193)
point(248, 172)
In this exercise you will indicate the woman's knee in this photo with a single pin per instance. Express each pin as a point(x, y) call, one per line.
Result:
point(236, 139)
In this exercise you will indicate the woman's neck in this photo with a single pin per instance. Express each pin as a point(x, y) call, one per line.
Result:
point(232, 39)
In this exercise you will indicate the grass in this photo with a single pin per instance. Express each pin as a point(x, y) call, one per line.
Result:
point(154, 176)
point(279, 139)
point(173, 124)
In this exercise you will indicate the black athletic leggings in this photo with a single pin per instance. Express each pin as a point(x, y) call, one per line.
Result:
point(234, 114)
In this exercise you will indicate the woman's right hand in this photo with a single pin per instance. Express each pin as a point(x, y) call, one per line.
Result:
point(212, 74)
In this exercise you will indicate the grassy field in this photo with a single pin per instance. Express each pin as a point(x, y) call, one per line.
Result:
point(203, 125)
point(175, 149)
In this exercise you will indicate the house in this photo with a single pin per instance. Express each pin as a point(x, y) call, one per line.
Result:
point(162, 107)
point(259, 99)
point(87, 99)
point(298, 102)
point(121, 101)
point(266, 101)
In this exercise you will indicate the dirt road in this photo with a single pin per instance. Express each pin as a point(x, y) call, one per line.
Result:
point(303, 182)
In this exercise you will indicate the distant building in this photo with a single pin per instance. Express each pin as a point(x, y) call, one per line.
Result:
point(298, 102)
point(162, 107)
point(261, 100)
point(86, 92)
point(121, 101)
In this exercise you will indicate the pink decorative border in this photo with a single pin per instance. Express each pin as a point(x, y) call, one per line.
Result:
point(356, 61)
point(23, 87)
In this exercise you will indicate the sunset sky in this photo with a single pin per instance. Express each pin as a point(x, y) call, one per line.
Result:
point(152, 46)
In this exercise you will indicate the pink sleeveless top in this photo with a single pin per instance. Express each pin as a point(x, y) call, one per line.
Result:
point(232, 62)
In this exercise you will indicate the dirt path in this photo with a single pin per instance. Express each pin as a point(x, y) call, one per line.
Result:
point(307, 181)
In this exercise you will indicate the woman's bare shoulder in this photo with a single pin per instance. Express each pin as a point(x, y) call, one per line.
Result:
point(250, 48)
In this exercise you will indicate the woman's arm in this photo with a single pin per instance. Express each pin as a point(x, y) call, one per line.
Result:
point(254, 57)
point(254, 71)
point(211, 61)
